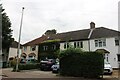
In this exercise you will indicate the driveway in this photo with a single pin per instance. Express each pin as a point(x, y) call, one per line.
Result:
point(45, 75)
point(27, 74)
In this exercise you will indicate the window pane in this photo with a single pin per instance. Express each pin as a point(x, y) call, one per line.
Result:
point(78, 44)
point(54, 47)
point(100, 43)
point(67, 45)
point(25, 48)
point(81, 44)
point(74, 44)
point(96, 43)
point(118, 57)
point(104, 42)
point(64, 45)
point(117, 42)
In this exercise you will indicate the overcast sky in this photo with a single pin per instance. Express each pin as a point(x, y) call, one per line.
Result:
point(62, 15)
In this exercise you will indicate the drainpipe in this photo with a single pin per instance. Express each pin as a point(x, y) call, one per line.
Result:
point(91, 30)
point(92, 27)
point(89, 44)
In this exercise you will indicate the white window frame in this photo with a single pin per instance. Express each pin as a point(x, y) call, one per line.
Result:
point(78, 44)
point(118, 42)
point(45, 48)
point(100, 42)
point(66, 45)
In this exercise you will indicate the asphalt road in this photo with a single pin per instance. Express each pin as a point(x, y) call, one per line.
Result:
point(45, 75)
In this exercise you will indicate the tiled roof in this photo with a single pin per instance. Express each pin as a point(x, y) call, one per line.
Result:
point(36, 41)
point(99, 32)
point(15, 44)
point(73, 35)
point(103, 32)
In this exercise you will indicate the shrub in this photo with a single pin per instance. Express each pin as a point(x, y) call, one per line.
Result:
point(74, 62)
point(27, 66)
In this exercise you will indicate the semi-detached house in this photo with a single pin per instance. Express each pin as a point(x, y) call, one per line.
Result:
point(92, 39)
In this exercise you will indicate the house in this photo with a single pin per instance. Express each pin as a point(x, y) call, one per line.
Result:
point(30, 49)
point(49, 49)
point(13, 50)
point(99, 39)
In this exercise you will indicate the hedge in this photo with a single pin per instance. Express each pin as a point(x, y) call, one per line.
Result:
point(74, 62)
point(27, 66)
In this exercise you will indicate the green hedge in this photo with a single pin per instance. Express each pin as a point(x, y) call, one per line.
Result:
point(27, 66)
point(74, 62)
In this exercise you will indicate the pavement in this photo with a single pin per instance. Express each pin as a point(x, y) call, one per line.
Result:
point(7, 74)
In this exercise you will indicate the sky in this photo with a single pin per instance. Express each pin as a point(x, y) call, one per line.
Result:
point(62, 15)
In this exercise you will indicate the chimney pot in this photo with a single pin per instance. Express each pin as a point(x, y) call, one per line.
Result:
point(92, 25)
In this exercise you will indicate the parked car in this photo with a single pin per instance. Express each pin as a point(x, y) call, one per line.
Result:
point(107, 68)
point(23, 61)
point(28, 61)
point(47, 64)
point(55, 67)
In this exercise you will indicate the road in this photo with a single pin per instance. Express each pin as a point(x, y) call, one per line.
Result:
point(45, 75)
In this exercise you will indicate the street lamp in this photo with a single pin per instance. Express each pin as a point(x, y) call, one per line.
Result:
point(18, 50)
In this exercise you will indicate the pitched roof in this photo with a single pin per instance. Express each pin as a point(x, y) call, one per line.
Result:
point(103, 32)
point(15, 44)
point(99, 32)
point(102, 50)
point(73, 35)
point(36, 41)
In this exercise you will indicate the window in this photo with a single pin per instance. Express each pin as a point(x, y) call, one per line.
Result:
point(100, 43)
point(96, 43)
point(33, 48)
point(104, 42)
point(116, 42)
point(118, 57)
point(106, 57)
point(45, 48)
point(81, 44)
point(75, 46)
point(54, 47)
point(25, 48)
point(66, 45)
point(78, 44)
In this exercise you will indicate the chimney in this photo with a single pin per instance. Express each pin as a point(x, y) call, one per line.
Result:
point(92, 25)
point(50, 32)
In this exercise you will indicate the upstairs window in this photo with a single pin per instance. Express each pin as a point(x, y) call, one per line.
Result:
point(54, 47)
point(78, 44)
point(33, 48)
point(117, 42)
point(25, 48)
point(100, 43)
point(45, 48)
point(66, 45)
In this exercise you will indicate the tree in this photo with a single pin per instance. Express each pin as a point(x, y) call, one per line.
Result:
point(6, 31)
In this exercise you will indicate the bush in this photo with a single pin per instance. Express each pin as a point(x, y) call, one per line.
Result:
point(27, 66)
point(74, 62)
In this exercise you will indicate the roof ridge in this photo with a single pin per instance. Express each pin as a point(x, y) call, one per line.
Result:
point(108, 29)
point(73, 31)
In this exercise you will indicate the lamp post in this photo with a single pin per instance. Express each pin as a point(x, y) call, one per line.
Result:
point(18, 50)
